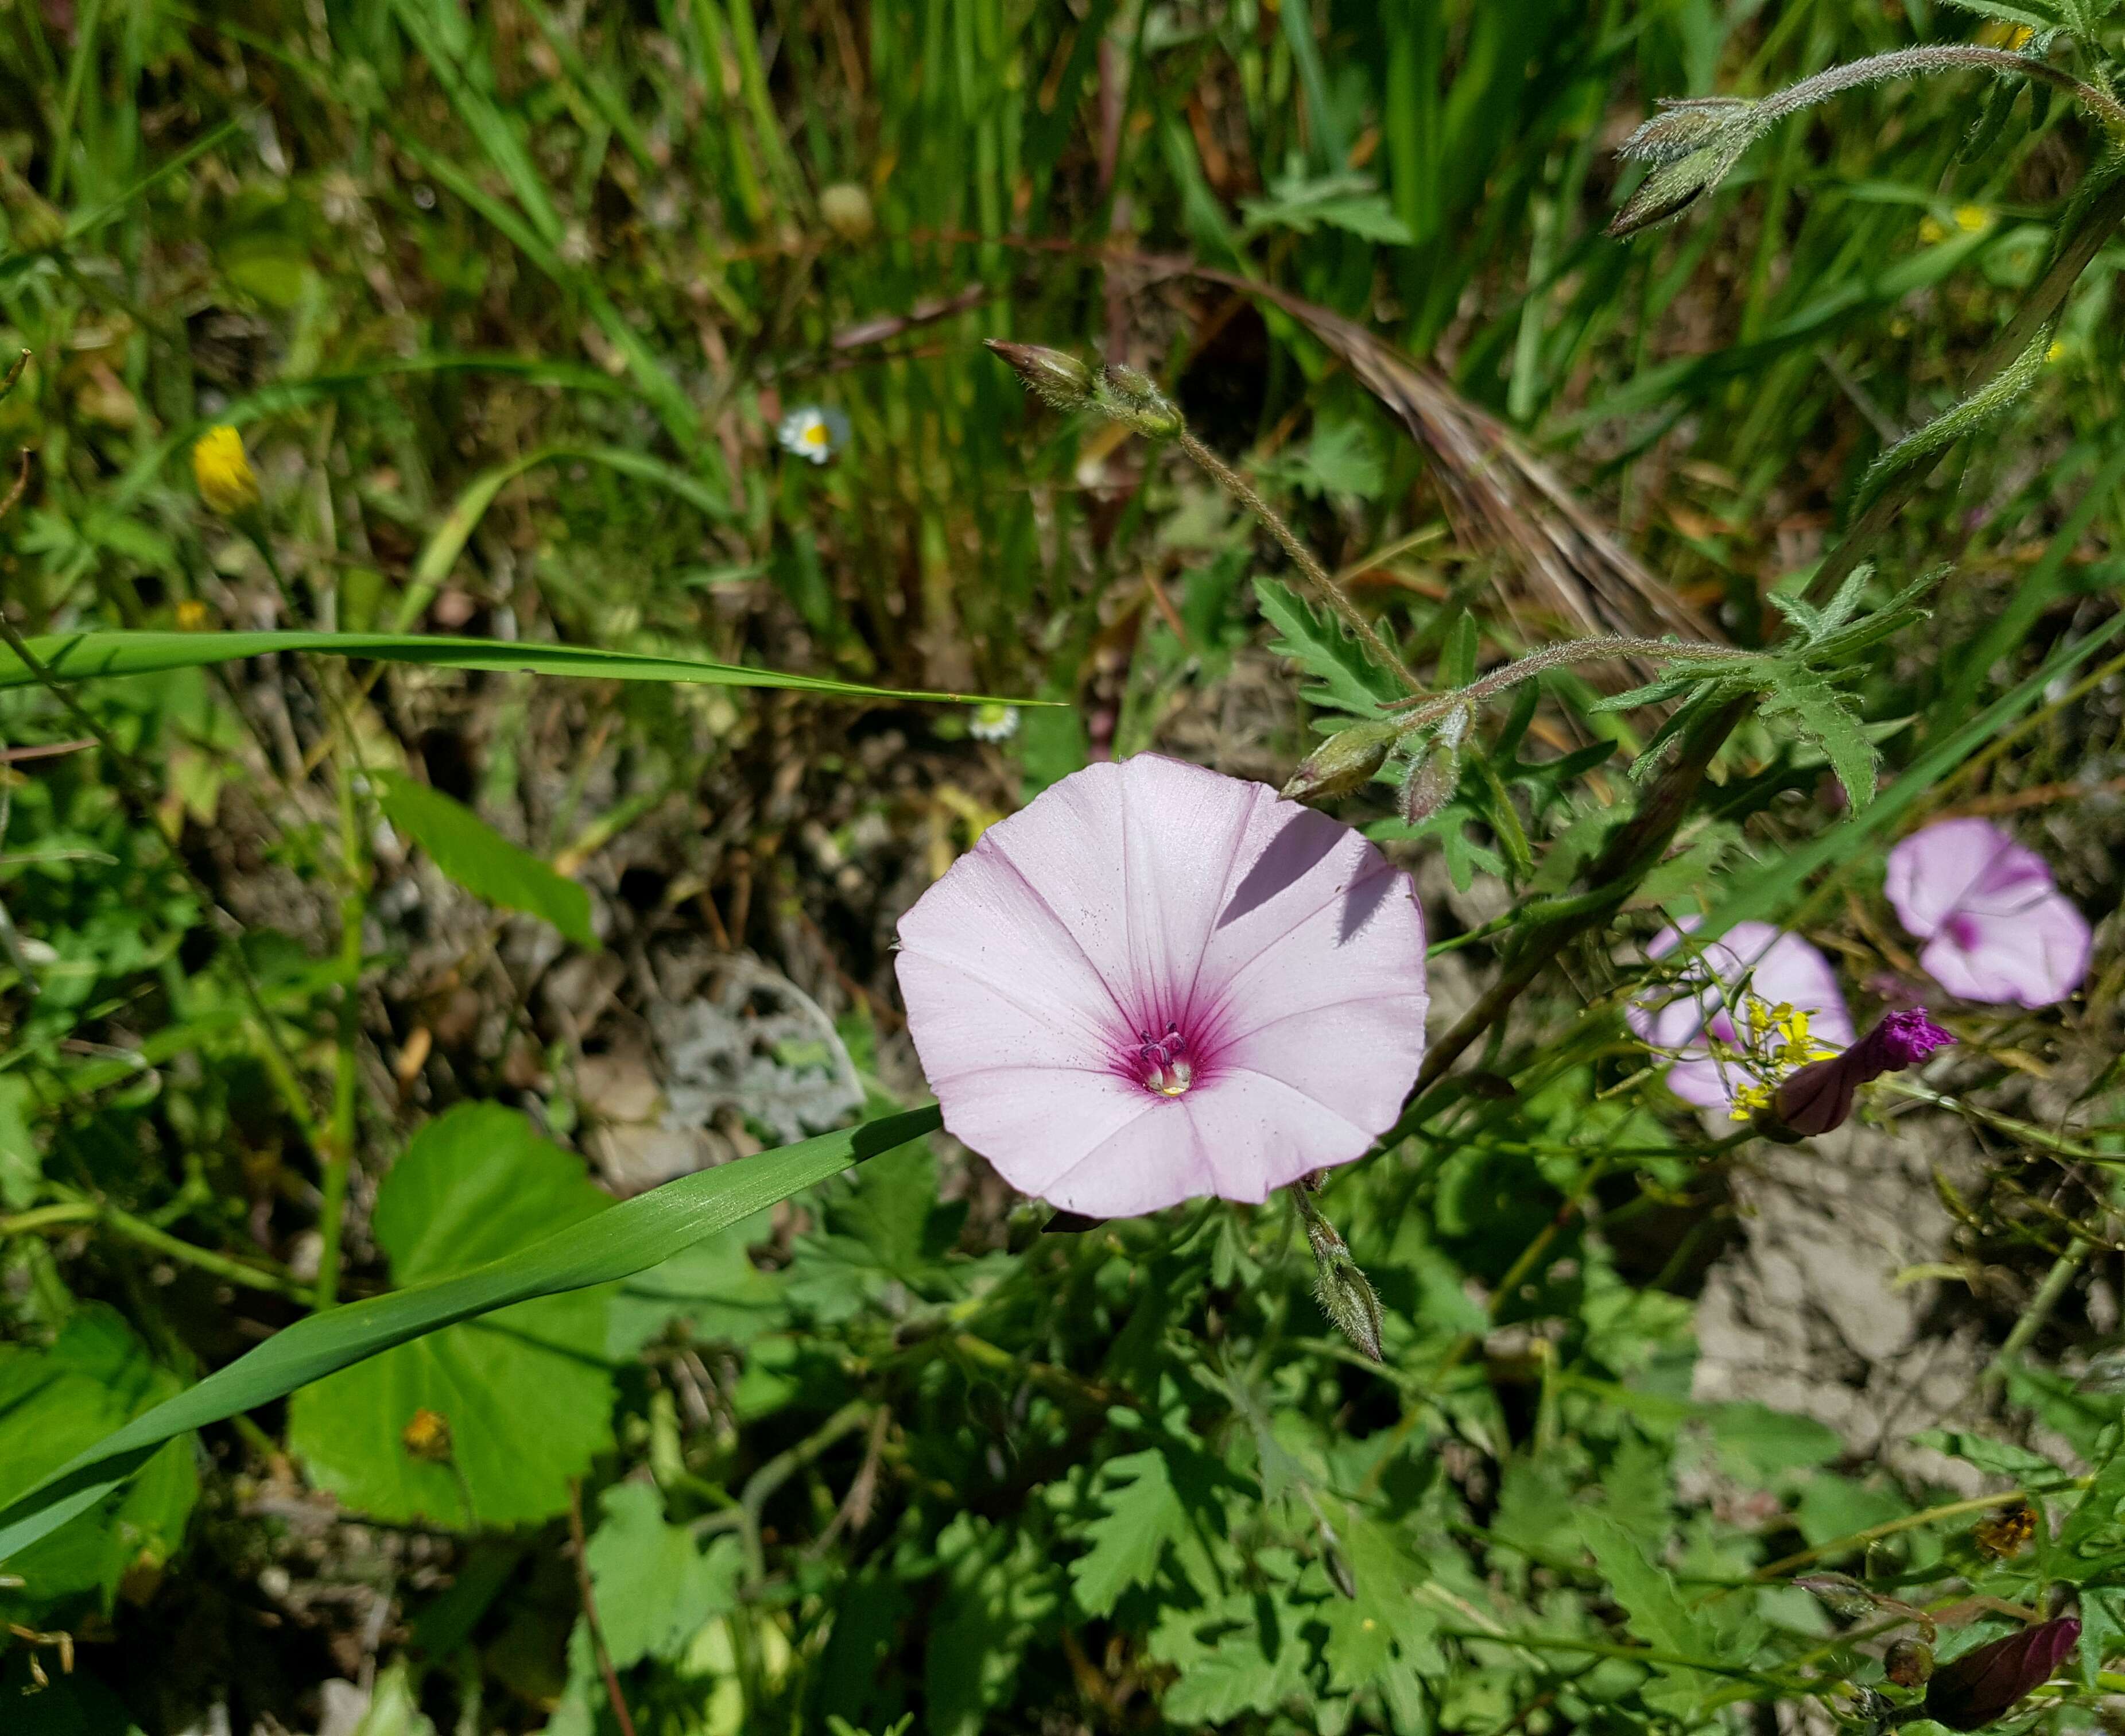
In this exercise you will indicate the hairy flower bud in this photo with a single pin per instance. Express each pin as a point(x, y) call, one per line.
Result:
point(1968, 1692)
point(1908, 1663)
point(1059, 380)
point(1431, 784)
point(1344, 1294)
point(1346, 761)
point(1683, 124)
point(1683, 174)
point(1818, 1096)
point(1843, 1596)
point(1130, 396)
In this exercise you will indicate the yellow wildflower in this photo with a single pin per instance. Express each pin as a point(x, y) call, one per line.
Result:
point(1969, 218)
point(1748, 1099)
point(2055, 352)
point(227, 482)
point(192, 614)
point(1932, 232)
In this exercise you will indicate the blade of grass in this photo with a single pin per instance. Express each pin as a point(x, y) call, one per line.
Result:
point(85, 656)
point(449, 541)
point(631, 1237)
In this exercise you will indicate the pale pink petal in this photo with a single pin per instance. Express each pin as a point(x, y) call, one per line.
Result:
point(1037, 1125)
point(1707, 1082)
point(1999, 928)
point(1962, 865)
point(1157, 982)
point(2035, 957)
point(1750, 958)
point(1754, 957)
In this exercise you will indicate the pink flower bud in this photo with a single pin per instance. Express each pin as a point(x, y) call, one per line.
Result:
point(1818, 1097)
point(1970, 1691)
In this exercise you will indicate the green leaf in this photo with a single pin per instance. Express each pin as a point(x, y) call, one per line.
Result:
point(21, 1164)
point(72, 657)
point(654, 1585)
point(525, 1392)
point(1237, 1675)
point(1140, 1513)
point(1351, 202)
point(713, 1287)
point(450, 536)
point(2092, 1527)
point(2102, 1610)
point(1366, 1633)
point(1341, 459)
point(394, 1706)
point(631, 1237)
point(481, 860)
point(1822, 715)
point(1656, 1613)
point(96, 1376)
point(999, 1594)
point(1759, 1445)
point(1316, 644)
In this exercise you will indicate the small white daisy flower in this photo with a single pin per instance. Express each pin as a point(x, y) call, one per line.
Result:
point(812, 430)
point(993, 722)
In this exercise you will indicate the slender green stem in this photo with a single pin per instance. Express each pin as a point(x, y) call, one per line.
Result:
point(1938, 58)
point(1889, 1528)
point(2039, 1310)
point(101, 1213)
point(2028, 1132)
point(1317, 575)
point(339, 1146)
point(1430, 707)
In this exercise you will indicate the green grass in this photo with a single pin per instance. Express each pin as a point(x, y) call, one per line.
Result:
point(508, 302)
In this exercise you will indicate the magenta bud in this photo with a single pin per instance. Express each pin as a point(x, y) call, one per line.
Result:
point(1818, 1096)
point(1968, 1692)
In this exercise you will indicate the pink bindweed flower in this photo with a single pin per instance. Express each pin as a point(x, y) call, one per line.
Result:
point(1722, 1014)
point(1997, 928)
point(1819, 1097)
point(1157, 982)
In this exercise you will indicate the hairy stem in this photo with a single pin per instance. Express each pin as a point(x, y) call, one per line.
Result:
point(1429, 707)
point(1318, 576)
point(1945, 57)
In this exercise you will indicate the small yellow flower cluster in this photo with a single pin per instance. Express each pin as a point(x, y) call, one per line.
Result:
point(1780, 1042)
point(227, 482)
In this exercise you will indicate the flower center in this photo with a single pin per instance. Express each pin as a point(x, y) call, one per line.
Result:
point(1162, 1062)
point(1962, 931)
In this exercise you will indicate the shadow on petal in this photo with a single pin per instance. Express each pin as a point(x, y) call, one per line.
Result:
point(1300, 847)
point(1366, 898)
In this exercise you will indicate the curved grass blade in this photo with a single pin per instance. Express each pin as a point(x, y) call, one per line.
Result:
point(633, 1236)
point(75, 657)
point(449, 541)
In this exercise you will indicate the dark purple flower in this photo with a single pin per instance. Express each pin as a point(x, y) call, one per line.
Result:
point(1968, 1692)
point(1818, 1096)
